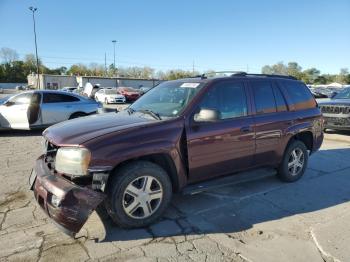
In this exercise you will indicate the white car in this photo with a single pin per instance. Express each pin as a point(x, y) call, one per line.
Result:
point(69, 89)
point(109, 95)
point(42, 108)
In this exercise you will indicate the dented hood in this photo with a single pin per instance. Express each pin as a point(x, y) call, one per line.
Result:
point(80, 130)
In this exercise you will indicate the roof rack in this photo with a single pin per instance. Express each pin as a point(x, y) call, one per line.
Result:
point(264, 75)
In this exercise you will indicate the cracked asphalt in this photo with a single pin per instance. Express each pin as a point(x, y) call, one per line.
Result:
point(263, 220)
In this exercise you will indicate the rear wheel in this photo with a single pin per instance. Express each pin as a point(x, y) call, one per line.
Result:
point(138, 194)
point(76, 115)
point(294, 162)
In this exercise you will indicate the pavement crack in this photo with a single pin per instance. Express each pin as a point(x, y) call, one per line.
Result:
point(4, 218)
point(325, 255)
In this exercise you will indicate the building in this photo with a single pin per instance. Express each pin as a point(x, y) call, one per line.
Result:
point(58, 81)
point(51, 81)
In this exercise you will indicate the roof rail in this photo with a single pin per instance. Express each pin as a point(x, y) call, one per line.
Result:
point(265, 75)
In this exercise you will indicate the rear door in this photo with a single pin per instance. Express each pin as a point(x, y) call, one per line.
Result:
point(57, 107)
point(224, 146)
point(271, 119)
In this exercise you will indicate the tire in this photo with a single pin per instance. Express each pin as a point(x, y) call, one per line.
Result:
point(76, 115)
point(289, 172)
point(127, 210)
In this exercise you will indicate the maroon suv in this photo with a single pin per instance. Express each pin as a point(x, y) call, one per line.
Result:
point(179, 133)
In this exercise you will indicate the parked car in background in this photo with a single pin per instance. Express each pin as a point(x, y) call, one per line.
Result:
point(69, 89)
point(336, 110)
point(90, 90)
point(144, 89)
point(130, 93)
point(318, 94)
point(37, 109)
point(178, 134)
point(109, 95)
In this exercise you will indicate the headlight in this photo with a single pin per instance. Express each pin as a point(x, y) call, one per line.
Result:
point(72, 161)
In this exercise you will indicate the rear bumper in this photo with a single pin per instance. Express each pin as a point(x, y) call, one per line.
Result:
point(68, 204)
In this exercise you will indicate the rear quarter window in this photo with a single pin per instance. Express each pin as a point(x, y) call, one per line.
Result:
point(299, 95)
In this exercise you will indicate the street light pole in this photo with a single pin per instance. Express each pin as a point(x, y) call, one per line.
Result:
point(114, 42)
point(33, 9)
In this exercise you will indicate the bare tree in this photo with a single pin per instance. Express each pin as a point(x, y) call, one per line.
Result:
point(8, 55)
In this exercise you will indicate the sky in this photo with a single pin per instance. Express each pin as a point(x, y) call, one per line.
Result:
point(217, 35)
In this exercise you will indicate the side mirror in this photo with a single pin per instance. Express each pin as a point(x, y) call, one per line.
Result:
point(334, 94)
point(207, 115)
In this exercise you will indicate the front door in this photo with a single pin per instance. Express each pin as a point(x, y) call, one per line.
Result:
point(226, 145)
point(14, 113)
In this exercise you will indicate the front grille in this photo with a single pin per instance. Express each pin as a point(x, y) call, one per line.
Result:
point(335, 109)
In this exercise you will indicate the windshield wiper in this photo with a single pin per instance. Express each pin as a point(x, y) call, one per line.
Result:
point(150, 112)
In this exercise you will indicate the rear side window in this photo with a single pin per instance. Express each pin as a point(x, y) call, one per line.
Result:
point(58, 98)
point(280, 101)
point(264, 97)
point(299, 94)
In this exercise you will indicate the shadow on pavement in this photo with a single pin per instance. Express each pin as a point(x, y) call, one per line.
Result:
point(21, 133)
point(232, 209)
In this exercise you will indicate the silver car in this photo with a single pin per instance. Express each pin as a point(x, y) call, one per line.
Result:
point(36, 109)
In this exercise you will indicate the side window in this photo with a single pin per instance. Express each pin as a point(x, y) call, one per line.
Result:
point(22, 99)
point(299, 94)
point(280, 101)
point(58, 98)
point(228, 98)
point(263, 97)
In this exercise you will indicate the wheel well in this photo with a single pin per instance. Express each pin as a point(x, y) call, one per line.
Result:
point(163, 160)
point(306, 137)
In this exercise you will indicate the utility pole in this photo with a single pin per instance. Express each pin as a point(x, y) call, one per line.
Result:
point(114, 42)
point(105, 64)
point(193, 67)
point(33, 9)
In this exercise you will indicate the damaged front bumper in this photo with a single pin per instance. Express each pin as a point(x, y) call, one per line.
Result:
point(68, 204)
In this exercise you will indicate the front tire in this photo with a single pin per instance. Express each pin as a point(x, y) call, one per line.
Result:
point(294, 162)
point(138, 194)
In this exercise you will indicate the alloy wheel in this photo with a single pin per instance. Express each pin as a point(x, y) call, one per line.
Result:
point(296, 161)
point(142, 197)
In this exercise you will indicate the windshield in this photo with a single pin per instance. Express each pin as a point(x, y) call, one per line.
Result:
point(168, 99)
point(344, 94)
point(111, 92)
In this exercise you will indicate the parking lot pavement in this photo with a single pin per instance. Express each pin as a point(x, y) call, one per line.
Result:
point(264, 220)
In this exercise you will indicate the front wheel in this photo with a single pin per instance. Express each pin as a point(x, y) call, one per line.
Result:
point(138, 194)
point(294, 162)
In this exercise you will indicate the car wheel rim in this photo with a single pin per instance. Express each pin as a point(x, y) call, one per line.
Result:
point(296, 162)
point(142, 197)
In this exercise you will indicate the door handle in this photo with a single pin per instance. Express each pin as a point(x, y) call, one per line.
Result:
point(245, 129)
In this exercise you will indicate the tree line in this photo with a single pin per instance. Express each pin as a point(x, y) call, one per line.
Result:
point(15, 70)
point(309, 76)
